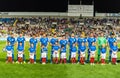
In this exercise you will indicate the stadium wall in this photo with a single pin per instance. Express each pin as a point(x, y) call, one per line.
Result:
point(100, 14)
point(58, 14)
point(32, 14)
point(107, 15)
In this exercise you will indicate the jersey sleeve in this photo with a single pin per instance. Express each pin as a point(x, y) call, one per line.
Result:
point(95, 40)
point(49, 39)
point(60, 42)
point(7, 38)
point(115, 39)
point(14, 40)
point(40, 39)
point(17, 39)
point(36, 41)
point(24, 38)
point(75, 40)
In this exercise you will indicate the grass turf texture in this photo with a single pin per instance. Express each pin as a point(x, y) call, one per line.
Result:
point(54, 70)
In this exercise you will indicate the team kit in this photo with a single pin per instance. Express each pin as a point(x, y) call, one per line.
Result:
point(78, 48)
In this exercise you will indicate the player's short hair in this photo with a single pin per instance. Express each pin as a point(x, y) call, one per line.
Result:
point(63, 35)
point(57, 41)
point(33, 34)
point(62, 46)
point(8, 42)
point(11, 33)
point(112, 33)
point(54, 34)
point(20, 42)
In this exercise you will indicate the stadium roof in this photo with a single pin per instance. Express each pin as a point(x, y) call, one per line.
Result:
point(56, 5)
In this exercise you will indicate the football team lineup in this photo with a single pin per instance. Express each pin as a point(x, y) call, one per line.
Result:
point(81, 50)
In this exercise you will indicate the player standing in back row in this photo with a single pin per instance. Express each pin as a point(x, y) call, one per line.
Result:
point(111, 40)
point(81, 40)
point(21, 40)
point(63, 46)
point(71, 40)
point(34, 41)
point(11, 39)
point(90, 40)
point(44, 43)
point(101, 41)
point(53, 41)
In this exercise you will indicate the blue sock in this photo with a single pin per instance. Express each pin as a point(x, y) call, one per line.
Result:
point(110, 52)
point(109, 58)
point(17, 57)
point(13, 57)
point(46, 59)
point(35, 57)
point(79, 58)
point(23, 57)
point(51, 58)
point(88, 58)
point(69, 57)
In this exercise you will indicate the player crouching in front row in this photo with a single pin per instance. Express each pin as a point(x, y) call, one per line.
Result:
point(20, 53)
point(114, 53)
point(43, 54)
point(92, 53)
point(56, 52)
point(73, 54)
point(9, 53)
point(63, 55)
point(32, 53)
point(103, 54)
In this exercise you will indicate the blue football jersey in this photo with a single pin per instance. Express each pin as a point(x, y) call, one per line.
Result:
point(33, 41)
point(71, 41)
point(11, 40)
point(90, 41)
point(31, 49)
point(80, 41)
point(20, 48)
point(8, 48)
point(111, 41)
point(44, 41)
point(21, 40)
point(103, 50)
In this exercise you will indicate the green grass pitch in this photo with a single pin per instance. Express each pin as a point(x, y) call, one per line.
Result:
point(54, 70)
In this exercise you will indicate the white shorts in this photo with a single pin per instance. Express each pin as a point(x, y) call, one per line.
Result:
point(20, 54)
point(114, 54)
point(43, 55)
point(63, 55)
point(9, 53)
point(55, 54)
point(103, 55)
point(92, 54)
point(82, 54)
point(31, 55)
point(73, 55)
